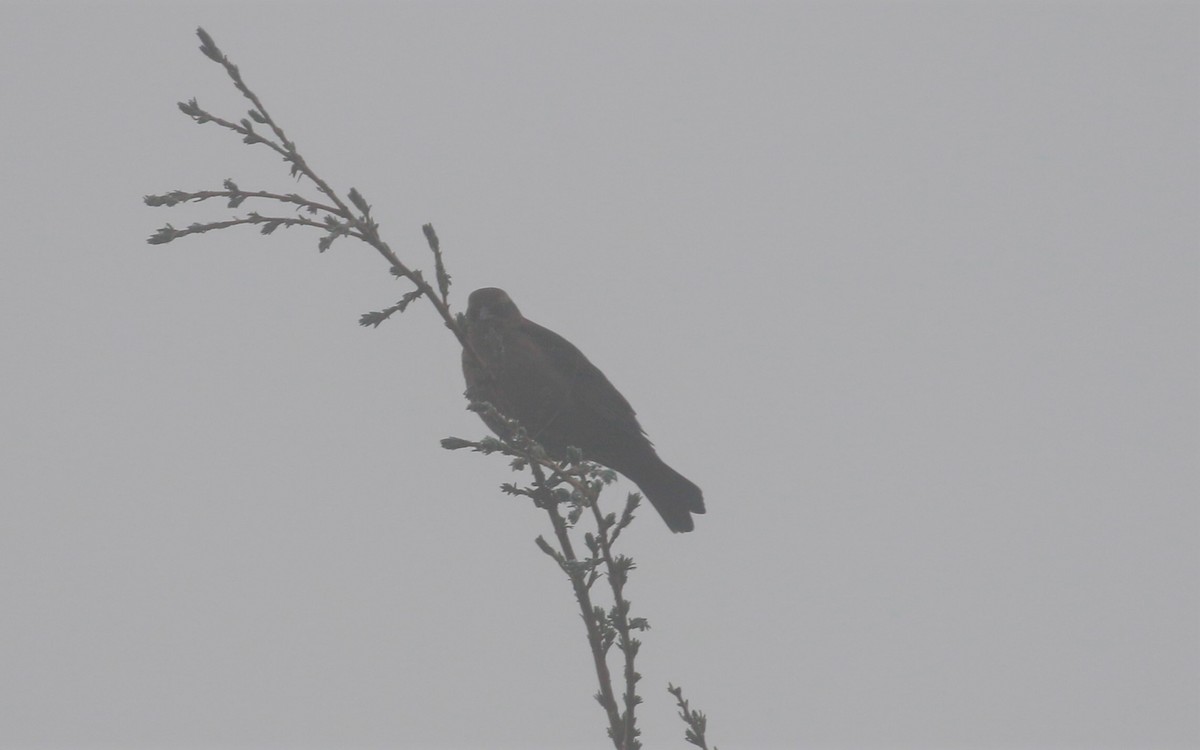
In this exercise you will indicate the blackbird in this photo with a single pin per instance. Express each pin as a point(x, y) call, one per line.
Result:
point(533, 375)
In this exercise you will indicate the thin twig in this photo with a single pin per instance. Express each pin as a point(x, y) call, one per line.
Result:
point(696, 721)
point(618, 569)
point(595, 639)
point(176, 197)
point(270, 224)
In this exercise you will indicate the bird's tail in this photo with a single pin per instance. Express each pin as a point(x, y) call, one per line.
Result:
point(672, 495)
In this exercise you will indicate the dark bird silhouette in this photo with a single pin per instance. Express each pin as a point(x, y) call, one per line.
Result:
point(533, 375)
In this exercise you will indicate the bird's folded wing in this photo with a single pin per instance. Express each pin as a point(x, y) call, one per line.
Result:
point(591, 390)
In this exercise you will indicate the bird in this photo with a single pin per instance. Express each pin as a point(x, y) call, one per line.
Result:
point(535, 376)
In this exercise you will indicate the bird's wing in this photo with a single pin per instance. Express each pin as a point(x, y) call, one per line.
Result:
point(590, 389)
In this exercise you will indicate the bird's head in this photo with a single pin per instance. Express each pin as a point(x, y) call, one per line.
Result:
point(491, 304)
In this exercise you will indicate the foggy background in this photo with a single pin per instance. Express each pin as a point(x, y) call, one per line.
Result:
point(909, 289)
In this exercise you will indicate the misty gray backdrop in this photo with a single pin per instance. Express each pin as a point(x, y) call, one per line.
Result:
point(909, 289)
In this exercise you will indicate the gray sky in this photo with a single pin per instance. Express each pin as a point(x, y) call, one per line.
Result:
point(911, 290)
